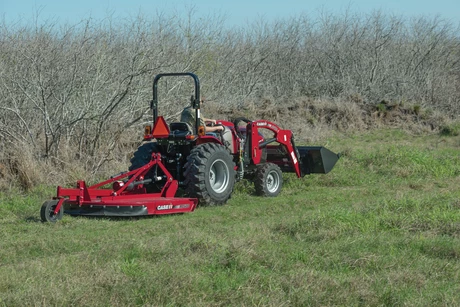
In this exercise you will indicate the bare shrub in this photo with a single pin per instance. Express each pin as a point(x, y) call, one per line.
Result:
point(79, 94)
point(23, 168)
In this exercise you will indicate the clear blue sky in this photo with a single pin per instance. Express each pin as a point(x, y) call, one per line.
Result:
point(236, 12)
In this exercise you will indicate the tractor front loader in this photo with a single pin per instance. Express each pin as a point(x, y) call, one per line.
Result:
point(177, 159)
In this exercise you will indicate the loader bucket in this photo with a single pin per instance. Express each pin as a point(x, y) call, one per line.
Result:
point(316, 159)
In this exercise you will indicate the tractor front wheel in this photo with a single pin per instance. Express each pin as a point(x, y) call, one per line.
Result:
point(47, 211)
point(210, 174)
point(268, 180)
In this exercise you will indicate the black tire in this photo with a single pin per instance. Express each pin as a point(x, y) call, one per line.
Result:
point(268, 180)
point(210, 174)
point(47, 211)
point(141, 157)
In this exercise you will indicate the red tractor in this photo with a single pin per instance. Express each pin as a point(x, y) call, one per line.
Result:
point(180, 166)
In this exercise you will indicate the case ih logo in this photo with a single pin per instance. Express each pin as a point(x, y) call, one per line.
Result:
point(164, 207)
point(169, 207)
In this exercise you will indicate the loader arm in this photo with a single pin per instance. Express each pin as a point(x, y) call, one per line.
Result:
point(301, 160)
point(257, 143)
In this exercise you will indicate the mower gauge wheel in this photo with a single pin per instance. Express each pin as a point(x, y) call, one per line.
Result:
point(47, 211)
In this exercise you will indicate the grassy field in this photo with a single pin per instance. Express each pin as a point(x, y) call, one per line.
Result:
point(382, 229)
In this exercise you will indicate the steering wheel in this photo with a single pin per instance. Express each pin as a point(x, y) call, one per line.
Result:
point(236, 121)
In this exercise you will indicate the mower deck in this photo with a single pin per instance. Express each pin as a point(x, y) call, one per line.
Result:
point(132, 207)
point(125, 198)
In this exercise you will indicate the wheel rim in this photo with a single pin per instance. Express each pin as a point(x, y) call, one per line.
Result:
point(273, 181)
point(219, 176)
point(51, 215)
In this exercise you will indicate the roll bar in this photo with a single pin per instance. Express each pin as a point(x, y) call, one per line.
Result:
point(195, 100)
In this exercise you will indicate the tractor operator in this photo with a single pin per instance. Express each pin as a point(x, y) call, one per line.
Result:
point(188, 116)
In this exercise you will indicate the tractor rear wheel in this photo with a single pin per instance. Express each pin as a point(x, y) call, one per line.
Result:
point(268, 180)
point(210, 174)
point(141, 157)
point(47, 211)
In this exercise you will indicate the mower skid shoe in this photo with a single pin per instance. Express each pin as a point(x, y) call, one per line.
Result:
point(134, 211)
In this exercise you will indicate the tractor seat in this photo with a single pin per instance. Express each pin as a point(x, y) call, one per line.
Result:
point(180, 129)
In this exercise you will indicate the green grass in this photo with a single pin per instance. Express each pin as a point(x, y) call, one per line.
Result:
point(383, 228)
